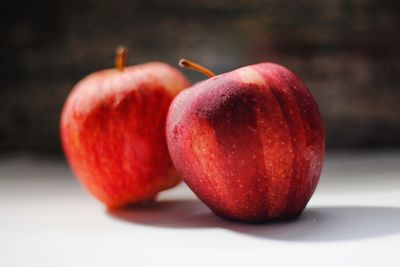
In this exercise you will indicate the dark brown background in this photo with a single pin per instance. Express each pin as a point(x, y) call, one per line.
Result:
point(347, 52)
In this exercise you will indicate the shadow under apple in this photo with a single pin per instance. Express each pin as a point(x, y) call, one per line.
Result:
point(316, 224)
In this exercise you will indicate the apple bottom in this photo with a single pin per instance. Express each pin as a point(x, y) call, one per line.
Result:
point(131, 191)
point(138, 203)
point(258, 214)
point(257, 220)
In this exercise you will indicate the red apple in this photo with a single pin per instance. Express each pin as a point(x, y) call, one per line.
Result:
point(113, 131)
point(250, 143)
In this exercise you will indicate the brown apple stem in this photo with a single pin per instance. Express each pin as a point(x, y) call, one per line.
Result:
point(184, 63)
point(120, 57)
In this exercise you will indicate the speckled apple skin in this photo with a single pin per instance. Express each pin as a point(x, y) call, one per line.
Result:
point(250, 143)
point(113, 132)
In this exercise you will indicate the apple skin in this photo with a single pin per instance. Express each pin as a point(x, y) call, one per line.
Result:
point(113, 132)
point(249, 143)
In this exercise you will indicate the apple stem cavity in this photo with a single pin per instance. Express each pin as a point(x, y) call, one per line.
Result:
point(184, 63)
point(120, 57)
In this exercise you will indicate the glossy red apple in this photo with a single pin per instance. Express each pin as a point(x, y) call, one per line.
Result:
point(250, 143)
point(113, 131)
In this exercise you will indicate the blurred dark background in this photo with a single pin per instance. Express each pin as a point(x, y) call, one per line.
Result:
point(347, 52)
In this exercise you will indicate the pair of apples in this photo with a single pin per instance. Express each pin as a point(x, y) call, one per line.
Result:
point(249, 143)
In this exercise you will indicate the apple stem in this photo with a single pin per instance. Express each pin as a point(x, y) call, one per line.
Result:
point(184, 63)
point(120, 57)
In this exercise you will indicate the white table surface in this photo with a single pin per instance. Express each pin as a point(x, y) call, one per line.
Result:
point(47, 219)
